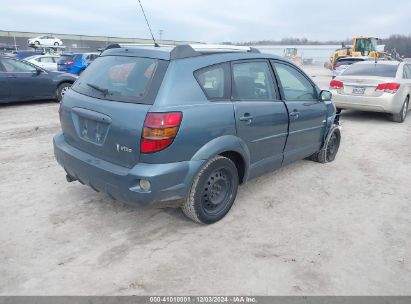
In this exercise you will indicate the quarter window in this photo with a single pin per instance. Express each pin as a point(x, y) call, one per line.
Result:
point(294, 84)
point(253, 81)
point(212, 81)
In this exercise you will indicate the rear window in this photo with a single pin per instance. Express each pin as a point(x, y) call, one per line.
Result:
point(348, 61)
point(371, 69)
point(66, 58)
point(119, 78)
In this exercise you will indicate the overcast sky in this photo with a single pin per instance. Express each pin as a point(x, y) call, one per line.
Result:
point(211, 20)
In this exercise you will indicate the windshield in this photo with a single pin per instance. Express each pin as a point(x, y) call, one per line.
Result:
point(372, 69)
point(366, 45)
point(118, 78)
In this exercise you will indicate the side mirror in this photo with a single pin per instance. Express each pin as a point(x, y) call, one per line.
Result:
point(37, 72)
point(325, 95)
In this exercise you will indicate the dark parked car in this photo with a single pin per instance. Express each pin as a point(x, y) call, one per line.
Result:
point(23, 81)
point(75, 63)
point(185, 126)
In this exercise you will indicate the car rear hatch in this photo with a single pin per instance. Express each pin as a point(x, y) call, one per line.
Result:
point(104, 113)
point(63, 62)
point(362, 86)
point(362, 79)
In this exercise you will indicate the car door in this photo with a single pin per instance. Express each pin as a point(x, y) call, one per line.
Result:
point(25, 83)
point(307, 113)
point(4, 85)
point(261, 117)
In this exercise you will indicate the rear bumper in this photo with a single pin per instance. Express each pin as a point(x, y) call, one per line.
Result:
point(387, 103)
point(170, 182)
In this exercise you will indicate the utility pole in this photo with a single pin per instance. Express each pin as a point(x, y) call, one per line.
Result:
point(160, 33)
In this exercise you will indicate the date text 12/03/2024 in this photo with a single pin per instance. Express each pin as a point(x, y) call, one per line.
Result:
point(204, 299)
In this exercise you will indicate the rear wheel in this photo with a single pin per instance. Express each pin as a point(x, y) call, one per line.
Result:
point(213, 191)
point(400, 117)
point(330, 148)
point(37, 43)
point(56, 44)
point(62, 90)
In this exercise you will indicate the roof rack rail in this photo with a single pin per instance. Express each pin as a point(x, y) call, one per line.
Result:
point(192, 50)
point(125, 45)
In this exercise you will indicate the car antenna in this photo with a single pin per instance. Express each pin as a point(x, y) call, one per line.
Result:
point(148, 25)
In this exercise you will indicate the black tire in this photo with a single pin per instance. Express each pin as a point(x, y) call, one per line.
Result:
point(330, 148)
point(338, 111)
point(400, 117)
point(212, 192)
point(37, 43)
point(62, 89)
point(56, 44)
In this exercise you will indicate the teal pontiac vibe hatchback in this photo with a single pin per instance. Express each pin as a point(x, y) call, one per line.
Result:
point(184, 126)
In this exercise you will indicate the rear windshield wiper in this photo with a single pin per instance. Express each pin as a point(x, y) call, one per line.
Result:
point(102, 90)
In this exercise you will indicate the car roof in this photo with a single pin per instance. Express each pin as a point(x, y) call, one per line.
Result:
point(354, 58)
point(381, 62)
point(171, 52)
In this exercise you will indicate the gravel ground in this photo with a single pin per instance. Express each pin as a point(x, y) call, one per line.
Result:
point(342, 228)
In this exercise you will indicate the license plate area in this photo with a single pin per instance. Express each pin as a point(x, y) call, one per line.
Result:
point(91, 126)
point(358, 90)
point(92, 130)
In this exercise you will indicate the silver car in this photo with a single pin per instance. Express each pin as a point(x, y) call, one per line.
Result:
point(383, 86)
point(343, 63)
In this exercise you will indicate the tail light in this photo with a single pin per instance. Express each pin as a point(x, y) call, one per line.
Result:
point(69, 63)
point(336, 84)
point(391, 87)
point(159, 131)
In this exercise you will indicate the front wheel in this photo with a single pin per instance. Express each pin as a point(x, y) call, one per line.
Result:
point(330, 148)
point(400, 117)
point(213, 191)
point(62, 90)
point(56, 44)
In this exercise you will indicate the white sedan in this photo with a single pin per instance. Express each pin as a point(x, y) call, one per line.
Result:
point(383, 86)
point(47, 62)
point(45, 41)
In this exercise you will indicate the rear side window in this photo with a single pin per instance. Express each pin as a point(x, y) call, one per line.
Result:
point(120, 78)
point(212, 81)
point(372, 69)
point(47, 59)
point(253, 81)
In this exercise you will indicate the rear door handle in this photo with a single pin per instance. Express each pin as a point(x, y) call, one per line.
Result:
point(12, 76)
point(295, 114)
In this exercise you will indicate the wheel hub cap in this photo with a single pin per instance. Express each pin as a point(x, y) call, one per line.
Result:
point(216, 190)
